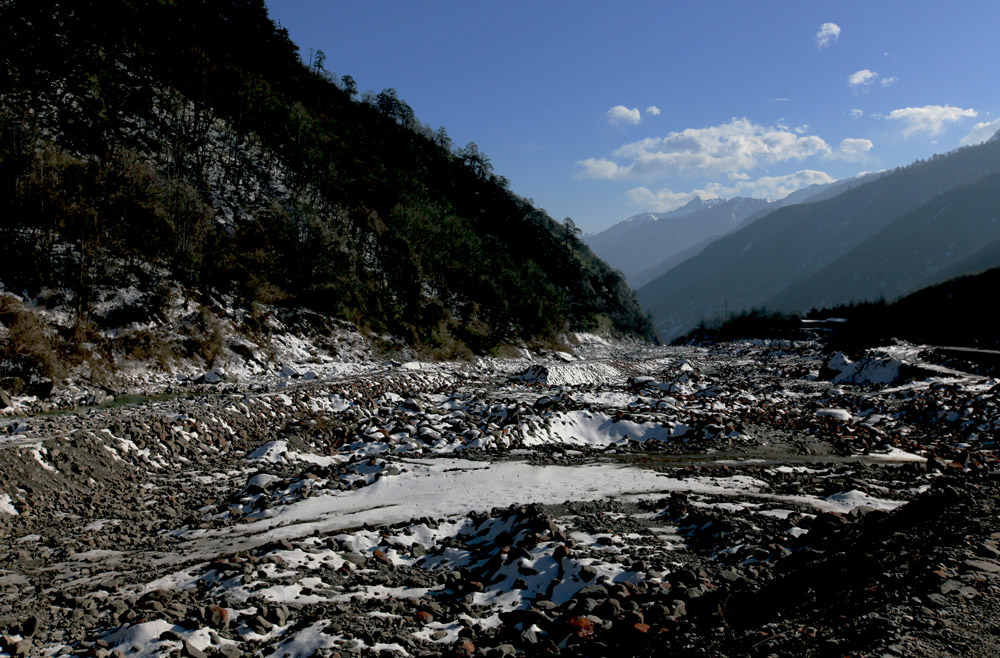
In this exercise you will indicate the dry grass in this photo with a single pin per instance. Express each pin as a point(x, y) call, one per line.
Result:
point(27, 346)
point(146, 346)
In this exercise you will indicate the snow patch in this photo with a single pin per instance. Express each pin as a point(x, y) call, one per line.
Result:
point(595, 429)
point(869, 370)
point(7, 505)
point(575, 373)
point(837, 414)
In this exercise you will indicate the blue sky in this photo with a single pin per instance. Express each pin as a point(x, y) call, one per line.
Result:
point(600, 110)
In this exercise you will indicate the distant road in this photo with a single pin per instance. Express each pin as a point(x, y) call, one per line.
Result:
point(990, 358)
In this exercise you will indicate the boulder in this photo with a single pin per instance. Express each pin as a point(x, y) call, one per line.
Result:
point(215, 375)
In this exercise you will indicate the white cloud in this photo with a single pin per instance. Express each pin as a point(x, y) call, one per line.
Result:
point(598, 168)
point(861, 80)
point(780, 99)
point(930, 119)
point(887, 82)
point(766, 187)
point(827, 35)
point(738, 145)
point(857, 114)
point(981, 132)
point(778, 187)
point(852, 145)
point(653, 110)
point(620, 114)
point(662, 201)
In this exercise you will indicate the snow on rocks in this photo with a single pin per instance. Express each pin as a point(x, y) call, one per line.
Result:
point(571, 372)
point(452, 509)
point(597, 429)
point(837, 414)
point(870, 370)
point(7, 505)
point(845, 501)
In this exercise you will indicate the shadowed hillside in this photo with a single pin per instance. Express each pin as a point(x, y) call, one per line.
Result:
point(146, 144)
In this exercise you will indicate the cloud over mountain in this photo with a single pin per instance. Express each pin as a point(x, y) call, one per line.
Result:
point(930, 119)
point(738, 145)
point(981, 132)
point(765, 187)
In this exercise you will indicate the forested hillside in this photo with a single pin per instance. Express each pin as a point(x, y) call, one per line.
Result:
point(946, 314)
point(148, 143)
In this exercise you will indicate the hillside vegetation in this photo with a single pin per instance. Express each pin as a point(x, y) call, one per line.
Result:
point(149, 144)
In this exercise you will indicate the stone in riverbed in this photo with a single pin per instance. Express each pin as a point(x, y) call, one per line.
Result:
point(215, 375)
point(955, 587)
point(356, 558)
point(580, 626)
point(191, 651)
point(987, 566)
point(260, 625)
point(230, 651)
point(217, 617)
point(412, 405)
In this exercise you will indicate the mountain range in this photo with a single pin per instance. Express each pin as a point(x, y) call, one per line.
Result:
point(882, 238)
point(645, 240)
point(646, 246)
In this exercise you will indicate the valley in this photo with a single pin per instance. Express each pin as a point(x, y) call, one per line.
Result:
point(291, 366)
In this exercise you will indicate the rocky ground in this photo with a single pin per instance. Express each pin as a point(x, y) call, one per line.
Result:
point(672, 501)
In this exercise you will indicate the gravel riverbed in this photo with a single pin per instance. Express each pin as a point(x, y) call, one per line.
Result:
point(669, 501)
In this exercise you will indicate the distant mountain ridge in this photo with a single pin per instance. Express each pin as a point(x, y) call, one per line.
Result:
point(645, 240)
point(647, 245)
point(901, 257)
point(804, 255)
